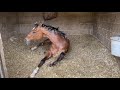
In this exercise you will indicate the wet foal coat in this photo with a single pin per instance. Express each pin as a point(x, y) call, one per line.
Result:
point(60, 43)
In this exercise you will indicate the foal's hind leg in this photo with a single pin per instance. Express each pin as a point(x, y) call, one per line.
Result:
point(40, 44)
point(48, 55)
point(61, 56)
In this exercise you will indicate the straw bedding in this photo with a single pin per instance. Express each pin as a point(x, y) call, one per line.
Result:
point(87, 58)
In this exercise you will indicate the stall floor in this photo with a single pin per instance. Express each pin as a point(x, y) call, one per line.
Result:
point(87, 58)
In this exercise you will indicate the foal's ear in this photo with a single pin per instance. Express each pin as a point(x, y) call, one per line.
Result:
point(36, 24)
point(41, 22)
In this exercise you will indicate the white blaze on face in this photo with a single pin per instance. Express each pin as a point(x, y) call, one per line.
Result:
point(33, 28)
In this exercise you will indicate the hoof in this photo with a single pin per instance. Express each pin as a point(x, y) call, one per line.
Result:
point(51, 65)
point(30, 76)
point(33, 48)
point(44, 52)
point(42, 44)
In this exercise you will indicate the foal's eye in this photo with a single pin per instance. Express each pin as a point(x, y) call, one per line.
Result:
point(34, 32)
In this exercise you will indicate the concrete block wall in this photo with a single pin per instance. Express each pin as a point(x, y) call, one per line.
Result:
point(102, 25)
point(107, 24)
point(73, 23)
point(8, 22)
point(26, 21)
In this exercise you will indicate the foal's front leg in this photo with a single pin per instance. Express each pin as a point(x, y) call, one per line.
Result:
point(40, 44)
point(48, 55)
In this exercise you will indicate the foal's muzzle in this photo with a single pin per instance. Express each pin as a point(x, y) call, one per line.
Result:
point(27, 41)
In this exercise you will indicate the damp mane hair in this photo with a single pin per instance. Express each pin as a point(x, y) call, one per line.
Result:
point(54, 29)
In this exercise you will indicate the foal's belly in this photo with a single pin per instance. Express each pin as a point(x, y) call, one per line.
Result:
point(58, 49)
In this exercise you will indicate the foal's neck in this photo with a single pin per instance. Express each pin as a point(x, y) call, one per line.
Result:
point(47, 34)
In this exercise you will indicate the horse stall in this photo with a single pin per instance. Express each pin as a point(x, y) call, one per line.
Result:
point(89, 55)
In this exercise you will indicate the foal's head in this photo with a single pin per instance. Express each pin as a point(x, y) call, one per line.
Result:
point(35, 34)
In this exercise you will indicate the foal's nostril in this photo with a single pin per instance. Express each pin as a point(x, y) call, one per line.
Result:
point(27, 41)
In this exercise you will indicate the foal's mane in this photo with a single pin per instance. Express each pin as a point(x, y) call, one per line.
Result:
point(54, 30)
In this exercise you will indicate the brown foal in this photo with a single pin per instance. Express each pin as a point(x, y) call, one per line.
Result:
point(60, 43)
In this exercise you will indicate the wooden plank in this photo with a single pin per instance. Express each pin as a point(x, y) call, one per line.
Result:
point(3, 69)
point(1, 73)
